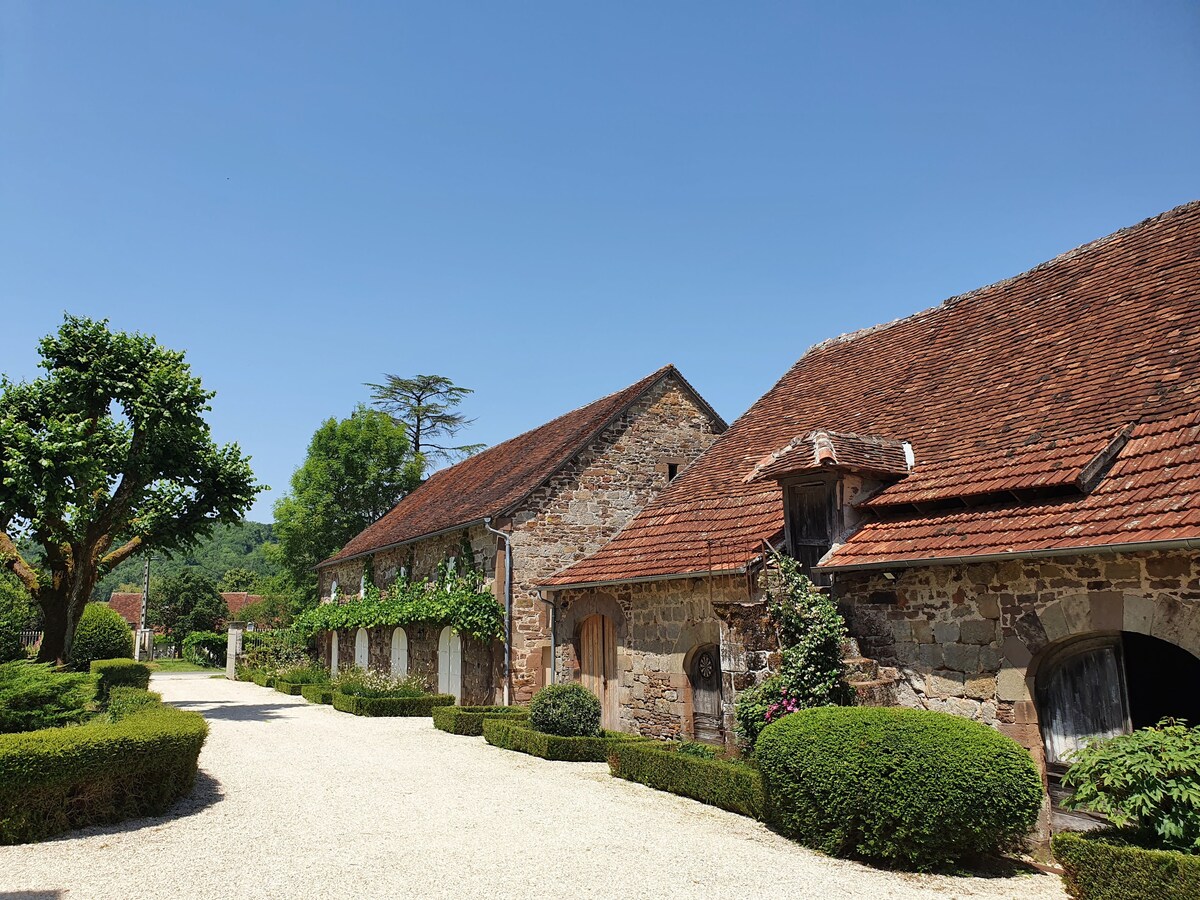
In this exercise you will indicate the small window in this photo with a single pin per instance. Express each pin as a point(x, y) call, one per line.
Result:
point(672, 471)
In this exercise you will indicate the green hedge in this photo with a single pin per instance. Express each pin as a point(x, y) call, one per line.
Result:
point(317, 693)
point(262, 679)
point(100, 634)
point(734, 786)
point(286, 687)
point(515, 736)
point(903, 787)
point(1101, 865)
point(111, 673)
point(58, 779)
point(390, 706)
point(469, 719)
point(125, 701)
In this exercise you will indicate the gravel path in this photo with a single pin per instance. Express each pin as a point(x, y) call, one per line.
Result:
point(302, 801)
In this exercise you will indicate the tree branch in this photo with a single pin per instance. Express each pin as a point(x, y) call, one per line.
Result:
point(11, 559)
point(122, 553)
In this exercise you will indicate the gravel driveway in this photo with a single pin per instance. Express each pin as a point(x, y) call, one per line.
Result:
point(302, 801)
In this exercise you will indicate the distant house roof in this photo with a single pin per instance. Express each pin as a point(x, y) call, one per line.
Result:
point(495, 481)
point(1017, 399)
point(129, 606)
point(237, 600)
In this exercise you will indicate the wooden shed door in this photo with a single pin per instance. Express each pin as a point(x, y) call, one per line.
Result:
point(598, 665)
point(705, 675)
point(450, 663)
point(1081, 697)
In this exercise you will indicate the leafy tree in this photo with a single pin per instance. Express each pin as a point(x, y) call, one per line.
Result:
point(106, 455)
point(356, 470)
point(187, 602)
point(237, 580)
point(426, 404)
point(15, 616)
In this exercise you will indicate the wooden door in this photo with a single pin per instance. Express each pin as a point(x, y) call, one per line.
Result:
point(361, 649)
point(705, 676)
point(333, 654)
point(450, 663)
point(399, 653)
point(1083, 696)
point(598, 666)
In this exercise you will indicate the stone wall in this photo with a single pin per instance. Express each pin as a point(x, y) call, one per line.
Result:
point(592, 498)
point(967, 638)
point(479, 664)
point(659, 625)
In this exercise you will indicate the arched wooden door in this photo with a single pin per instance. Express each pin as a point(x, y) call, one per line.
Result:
point(399, 653)
point(598, 666)
point(704, 673)
point(450, 663)
point(361, 651)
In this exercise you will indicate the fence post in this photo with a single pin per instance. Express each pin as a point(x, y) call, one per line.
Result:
point(233, 649)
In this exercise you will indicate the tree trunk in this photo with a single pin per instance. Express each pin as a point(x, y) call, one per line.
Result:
point(54, 630)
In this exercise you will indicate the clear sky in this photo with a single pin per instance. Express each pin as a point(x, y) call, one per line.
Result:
point(546, 201)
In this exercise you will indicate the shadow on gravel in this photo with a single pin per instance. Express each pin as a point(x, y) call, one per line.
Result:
point(234, 712)
point(206, 793)
point(31, 895)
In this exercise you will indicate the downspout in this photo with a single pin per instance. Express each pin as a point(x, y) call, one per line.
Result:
point(487, 523)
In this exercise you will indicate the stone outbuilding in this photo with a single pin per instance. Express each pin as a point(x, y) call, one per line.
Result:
point(1002, 492)
point(557, 493)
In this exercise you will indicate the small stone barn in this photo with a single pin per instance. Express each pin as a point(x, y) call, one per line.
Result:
point(1002, 492)
point(558, 492)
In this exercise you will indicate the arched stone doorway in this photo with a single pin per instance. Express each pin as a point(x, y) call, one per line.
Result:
point(598, 666)
point(703, 668)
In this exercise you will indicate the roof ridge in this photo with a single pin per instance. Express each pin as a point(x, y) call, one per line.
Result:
point(647, 380)
point(1065, 256)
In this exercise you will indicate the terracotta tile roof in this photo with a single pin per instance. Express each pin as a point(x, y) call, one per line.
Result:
point(1151, 494)
point(1073, 350)
point(238, 600)
point(494, 481)
point(128, 605)
point(835, 450)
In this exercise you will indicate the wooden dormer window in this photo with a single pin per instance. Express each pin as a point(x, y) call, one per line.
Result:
point(811, 520)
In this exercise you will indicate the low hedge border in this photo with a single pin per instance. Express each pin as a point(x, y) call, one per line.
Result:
point(286, 687)
point(390, 706)
point(1101, 865)
point(111, 673)
point(58, 779)
point(264, 680)
point(510, 735)
point(317, 693)
point(468, 720)
point(734, 786)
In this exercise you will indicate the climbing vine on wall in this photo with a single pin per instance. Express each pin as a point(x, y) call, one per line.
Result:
point(453, 598)
point(810, 631)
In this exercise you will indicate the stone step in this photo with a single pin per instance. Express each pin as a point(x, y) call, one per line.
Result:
point(850, 648)
point(859, 668)
point(876, 692)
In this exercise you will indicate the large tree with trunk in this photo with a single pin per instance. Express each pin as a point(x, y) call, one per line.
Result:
point(106, 455)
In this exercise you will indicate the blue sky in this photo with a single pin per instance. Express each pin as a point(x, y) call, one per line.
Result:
point(546, 201)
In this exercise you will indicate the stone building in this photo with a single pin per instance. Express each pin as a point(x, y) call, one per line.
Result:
point(558, 493)
point(1002, 492)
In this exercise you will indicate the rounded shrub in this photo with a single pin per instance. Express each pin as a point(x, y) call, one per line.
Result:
point(568, 710)
point(100, 634)
point(903, 787)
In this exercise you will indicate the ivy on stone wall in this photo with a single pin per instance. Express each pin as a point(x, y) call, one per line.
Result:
point(810, 631)
point(457, 599)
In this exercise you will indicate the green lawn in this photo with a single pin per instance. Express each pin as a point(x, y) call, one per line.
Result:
point(179, 665)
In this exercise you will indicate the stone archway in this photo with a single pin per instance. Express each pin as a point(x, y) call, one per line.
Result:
point(1086, 631)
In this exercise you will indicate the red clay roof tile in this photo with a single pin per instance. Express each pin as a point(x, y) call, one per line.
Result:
point(1034, 373)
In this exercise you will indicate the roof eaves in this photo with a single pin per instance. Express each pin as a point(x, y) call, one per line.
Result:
point(335, 559)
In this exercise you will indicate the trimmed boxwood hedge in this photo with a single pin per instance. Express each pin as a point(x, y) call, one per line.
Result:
point(468, 720)
point(1102, 865)
point(735, 786)
point(520, 737)
point(111, 673)
point(903, 787)
point(58, 779)
point(317, 693)
point(390, 706)
point(262, 679)
point(286, 687)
